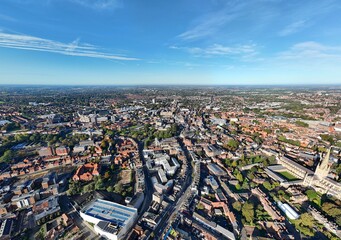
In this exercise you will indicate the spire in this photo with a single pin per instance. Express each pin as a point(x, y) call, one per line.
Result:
point(157, 143)
point(323, 168)
point(325, 162)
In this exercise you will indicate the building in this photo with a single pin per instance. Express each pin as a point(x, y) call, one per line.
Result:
point(112, 220)
point(294, 168)
point(220, 195)
point(212, 182)
point(163, 161)
point(289, 211)
point(323, 168)
point(62, 151)
point(86, 172)
point(6, 229)
point(162, 176)
point(318, 180)
point(137, 200)
point(337, 127)
point(49, 180)
point(212, 151)
point(25, 200)
point(45, 152)
point(216, 170)
point(45, 208)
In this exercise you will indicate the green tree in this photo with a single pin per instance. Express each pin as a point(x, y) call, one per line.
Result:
point(237, 206)
point(232, 145)
point(250, 175)
point(99, 185)
point(267, 185)
point(118, 188)
point(331, 209)
point(234, 163)
point(104, 145)
point(313, 196)
point(305, 224)
point(248, 212)
point(328, 138)
point(8, 156)
point(89, 187)
point(301, 124)
point(200, 206)
point(239, 176)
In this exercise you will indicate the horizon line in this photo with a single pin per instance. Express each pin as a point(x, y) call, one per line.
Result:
point(160, 84)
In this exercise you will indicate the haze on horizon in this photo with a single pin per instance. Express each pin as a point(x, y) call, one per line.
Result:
point(116, 42)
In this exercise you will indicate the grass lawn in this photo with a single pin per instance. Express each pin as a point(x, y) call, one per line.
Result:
point(288, 176)
point(313, 196)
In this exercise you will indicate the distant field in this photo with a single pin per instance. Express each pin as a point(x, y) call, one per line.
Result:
point(288, 176)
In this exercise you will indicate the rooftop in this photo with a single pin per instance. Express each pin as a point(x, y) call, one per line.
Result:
point(109, 211)
point(215, 169)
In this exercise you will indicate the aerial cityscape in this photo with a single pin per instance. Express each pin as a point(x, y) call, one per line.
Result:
point(170, 120)
point(170, 162)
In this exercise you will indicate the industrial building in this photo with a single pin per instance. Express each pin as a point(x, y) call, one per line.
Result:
point(112, 220)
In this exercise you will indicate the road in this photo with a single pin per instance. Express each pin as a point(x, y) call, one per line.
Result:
point(176, 206)
point(67, 207)
point(171, 214)
point(148, 191)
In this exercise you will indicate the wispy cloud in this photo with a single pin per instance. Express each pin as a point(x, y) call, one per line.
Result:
point(99, 4)
point(236, 19)
point(243, 52)
point(94, 4)
point(293, 28)
point(74, 48)
point(306, 14)
point(311, 51)
point(212, 22)
point(7, 18)
point(206, 28)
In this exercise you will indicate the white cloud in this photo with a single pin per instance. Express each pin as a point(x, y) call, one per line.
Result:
point(242, 52)
point(311, 51)
point(293, 28)
point(74, 48)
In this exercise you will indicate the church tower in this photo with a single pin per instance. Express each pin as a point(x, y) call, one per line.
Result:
point(157, 142)
point(323, 168)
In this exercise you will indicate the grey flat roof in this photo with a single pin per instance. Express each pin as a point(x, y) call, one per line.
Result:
point(110, 212)
point(216, 169)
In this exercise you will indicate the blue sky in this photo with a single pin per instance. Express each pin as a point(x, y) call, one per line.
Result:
point(170, 42)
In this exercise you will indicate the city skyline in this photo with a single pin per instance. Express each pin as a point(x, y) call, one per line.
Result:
point(113, 42)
